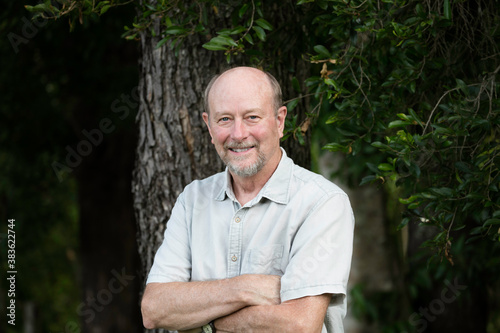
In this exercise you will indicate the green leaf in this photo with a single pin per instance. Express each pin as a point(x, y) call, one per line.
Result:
point(493, 221)
point(427, 195)
point(447, 10)
point(104, 9)
point(161, 42)
point(346, 132)
point(461, 84)
point(292, 104)
point(42, 7)
point(414, 205)
point(385, 167)
point(332, 83)
point(175, 30)
point(380, 145)
point(420, 10)
point(168, 21)
point(399, 123)
point(300, 137)
point(409, 200)
point(264, 24)
point(243, 10)
point(261, 34)
point(249, 39)
point(214, 47)
point(462, 166)
point(335, 147)
point(415, 116)
point(296, 84)
point(442, 191)
point(367, 179)
point(403, 223)
point(323, 51)
point(224, 40)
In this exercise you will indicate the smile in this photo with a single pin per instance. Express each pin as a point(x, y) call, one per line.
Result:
point(240, 150)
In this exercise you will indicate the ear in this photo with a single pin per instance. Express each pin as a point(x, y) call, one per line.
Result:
point(206, 119)
point(282, 111)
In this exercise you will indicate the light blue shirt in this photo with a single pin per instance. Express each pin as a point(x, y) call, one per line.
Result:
point(300, 226)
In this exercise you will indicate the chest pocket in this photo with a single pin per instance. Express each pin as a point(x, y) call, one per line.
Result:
point(264, 260)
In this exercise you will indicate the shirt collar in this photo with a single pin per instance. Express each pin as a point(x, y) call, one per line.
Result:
point(276, 189)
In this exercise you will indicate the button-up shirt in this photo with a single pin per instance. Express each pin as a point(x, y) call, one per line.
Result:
point(299, 226)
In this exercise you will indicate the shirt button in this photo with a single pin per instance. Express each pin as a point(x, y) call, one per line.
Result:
point(237, 220)
point(234, 258)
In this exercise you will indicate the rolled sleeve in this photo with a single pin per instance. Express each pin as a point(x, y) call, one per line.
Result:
point(173, 259)
point(320, 256)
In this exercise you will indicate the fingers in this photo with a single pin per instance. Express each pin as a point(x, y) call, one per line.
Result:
point(262, 289)
point(192, 330)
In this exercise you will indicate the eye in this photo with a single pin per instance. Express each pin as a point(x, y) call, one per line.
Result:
point(224, 119)
point(253, 117)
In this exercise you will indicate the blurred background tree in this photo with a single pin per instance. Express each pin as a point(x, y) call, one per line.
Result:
point(74, 222)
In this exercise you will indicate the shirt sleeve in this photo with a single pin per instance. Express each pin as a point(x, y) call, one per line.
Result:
point(173, 259)
point(320, 256)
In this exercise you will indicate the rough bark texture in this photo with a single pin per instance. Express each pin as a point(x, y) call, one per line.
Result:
point(174, 147)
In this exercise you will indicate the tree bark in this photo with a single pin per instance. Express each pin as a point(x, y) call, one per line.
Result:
point(174, 147)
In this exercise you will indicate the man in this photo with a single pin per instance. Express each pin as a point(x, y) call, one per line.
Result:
point(264, 246)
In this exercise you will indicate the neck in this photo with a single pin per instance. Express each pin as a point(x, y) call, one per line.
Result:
point(247, 188)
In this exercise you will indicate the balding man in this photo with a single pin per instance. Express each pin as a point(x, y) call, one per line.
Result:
point(264, 246)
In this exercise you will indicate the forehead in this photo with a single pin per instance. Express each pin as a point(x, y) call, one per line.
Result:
point(245, 87)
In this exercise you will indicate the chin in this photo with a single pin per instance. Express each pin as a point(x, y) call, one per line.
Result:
point(246, 170)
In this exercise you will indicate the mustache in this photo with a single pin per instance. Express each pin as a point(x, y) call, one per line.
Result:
point(240, 145)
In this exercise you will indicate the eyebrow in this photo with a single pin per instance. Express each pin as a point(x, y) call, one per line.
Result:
point(218, 113)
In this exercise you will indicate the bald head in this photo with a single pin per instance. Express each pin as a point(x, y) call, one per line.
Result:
point(259, 82)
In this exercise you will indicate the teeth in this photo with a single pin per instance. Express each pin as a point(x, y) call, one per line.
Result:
point(239, 150)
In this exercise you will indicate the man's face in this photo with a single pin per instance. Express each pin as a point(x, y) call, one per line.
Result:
point(243, 124)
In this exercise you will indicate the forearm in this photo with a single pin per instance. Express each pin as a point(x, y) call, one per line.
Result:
point(184, 305)
point(302, 315)
point(258, 318)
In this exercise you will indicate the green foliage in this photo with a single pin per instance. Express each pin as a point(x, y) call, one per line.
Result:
point(74, 10)
point(412, 97)
point(179, 20)
point(393, 81)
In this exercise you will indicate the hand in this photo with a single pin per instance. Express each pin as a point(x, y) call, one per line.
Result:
point(262, 289)
point(192, 330)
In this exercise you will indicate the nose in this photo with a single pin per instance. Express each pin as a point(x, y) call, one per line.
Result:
point(239, 131)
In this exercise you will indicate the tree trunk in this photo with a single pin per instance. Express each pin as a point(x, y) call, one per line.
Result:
point(174, 147)
point(107, 233)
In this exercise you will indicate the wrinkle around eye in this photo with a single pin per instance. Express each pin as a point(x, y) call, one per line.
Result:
point(223, 120)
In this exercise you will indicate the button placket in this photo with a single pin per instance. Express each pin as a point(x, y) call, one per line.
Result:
point(235, 239)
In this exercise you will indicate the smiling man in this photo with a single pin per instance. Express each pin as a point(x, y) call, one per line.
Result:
point(264, 246)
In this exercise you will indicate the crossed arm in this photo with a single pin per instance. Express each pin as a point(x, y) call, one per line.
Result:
point(244, 303)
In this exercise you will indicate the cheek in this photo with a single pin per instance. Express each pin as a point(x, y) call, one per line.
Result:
point(267, 134)
point(218, 136)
